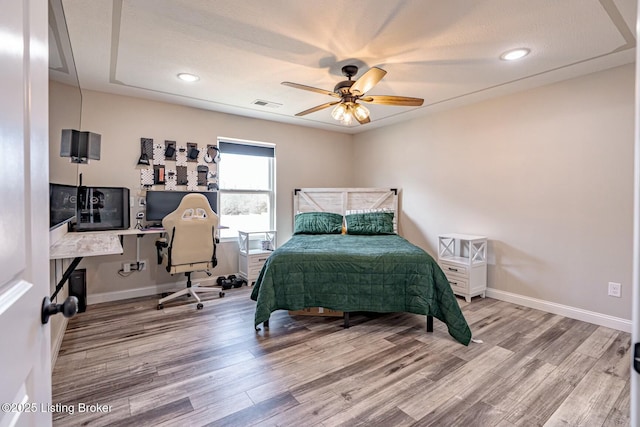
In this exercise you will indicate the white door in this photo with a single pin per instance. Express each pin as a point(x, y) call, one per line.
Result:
point(25, 355)
point(635, 333)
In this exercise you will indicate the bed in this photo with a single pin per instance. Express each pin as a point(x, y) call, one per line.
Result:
point(369, 268)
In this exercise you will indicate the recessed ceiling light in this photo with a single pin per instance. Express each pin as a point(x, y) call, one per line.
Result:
point(188, 77)
point(512, 55)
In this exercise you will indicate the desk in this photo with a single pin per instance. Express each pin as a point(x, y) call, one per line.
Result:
point(80, 245)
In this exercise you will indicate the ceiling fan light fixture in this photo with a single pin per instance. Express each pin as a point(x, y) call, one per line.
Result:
point(187, 77)
point(515, 54)
point(339, 112)
point(350, 91)
point(347, 118)
point(361, 112)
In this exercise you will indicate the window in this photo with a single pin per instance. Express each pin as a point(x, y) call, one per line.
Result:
point(246, 175)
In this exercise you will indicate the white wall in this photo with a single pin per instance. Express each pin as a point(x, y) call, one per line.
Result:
point(546, 174)
point(122, 121)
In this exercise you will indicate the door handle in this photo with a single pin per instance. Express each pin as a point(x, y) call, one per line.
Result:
point(68, 308)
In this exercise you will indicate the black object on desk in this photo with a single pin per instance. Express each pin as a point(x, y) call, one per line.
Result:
point(78, 288)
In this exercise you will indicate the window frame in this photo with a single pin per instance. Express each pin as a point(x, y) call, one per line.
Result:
point(271, 193)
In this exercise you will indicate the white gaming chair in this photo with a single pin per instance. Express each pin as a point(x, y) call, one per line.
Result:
point(190, 244)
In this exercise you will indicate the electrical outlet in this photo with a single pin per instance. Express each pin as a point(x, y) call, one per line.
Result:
point(615, 289)
point(128, 267)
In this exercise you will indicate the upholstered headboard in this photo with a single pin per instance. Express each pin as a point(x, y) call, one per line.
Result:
point(341, 200)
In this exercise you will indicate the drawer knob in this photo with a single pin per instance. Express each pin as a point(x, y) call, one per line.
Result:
point(452, 269)
point(453, 283)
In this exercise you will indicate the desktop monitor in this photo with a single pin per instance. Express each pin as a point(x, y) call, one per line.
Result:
point(161, 203)
point(102, 208)
point(62, 204)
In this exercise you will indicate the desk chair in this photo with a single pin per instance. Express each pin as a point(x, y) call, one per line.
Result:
point(190, 244)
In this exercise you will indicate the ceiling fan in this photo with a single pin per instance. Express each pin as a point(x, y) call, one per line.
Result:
point(350, 91)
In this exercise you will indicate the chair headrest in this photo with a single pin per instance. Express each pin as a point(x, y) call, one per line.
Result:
point(192, 207)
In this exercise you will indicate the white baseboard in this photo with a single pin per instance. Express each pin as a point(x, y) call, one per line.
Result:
point(563, 310)
point(57, 341)
point(93, 298)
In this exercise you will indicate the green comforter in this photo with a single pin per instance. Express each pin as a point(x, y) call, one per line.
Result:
point(380, 273)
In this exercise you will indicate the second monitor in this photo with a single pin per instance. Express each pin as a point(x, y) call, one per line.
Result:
point(161, 203)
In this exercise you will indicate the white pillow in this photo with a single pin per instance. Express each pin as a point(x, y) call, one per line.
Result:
point(358, 211)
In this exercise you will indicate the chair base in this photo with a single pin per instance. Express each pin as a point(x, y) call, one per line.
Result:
point(190, 290)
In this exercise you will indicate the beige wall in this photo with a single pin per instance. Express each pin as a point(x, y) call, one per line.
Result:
point(122, 121)
point(546, 174)
point(64, 113)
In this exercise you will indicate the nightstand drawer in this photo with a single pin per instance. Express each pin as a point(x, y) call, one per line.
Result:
point(458, 285)
point(448, 267)
point(258, 259)
point(254, 272)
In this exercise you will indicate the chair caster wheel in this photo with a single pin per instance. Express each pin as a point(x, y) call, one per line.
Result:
point(199, 306)
point(160, 306)
point(221, 294)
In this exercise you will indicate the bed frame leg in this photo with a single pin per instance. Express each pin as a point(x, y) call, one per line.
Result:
point(266, 324)
point(346, 320)
point(429, 323)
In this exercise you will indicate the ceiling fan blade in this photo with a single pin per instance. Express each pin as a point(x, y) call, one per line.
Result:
point(317, 108)
point(393, 100)
point(312, 89)
point(367, 81)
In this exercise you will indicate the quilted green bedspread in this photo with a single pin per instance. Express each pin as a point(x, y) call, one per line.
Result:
point(379, 273)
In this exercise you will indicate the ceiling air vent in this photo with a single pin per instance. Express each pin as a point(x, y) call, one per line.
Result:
point(263, 103)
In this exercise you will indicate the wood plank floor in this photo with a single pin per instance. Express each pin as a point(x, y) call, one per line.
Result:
point(183, 367)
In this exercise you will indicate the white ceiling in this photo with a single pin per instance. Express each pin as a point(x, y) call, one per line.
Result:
point(445, 51)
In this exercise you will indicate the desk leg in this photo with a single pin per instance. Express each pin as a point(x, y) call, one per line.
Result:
point(66, 275)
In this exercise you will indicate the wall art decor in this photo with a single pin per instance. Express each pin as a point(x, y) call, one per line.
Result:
point(170, 150)
point(171, 180)
point(146, 177)
point(181, 156)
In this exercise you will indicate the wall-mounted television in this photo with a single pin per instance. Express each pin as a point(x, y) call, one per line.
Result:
point(62, 204)
point(161, 203)
point(102, 208)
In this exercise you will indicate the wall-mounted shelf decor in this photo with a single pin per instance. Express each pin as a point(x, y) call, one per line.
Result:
point(169, 150)
point(181, 156)
point(177, 166)
point(158, 154)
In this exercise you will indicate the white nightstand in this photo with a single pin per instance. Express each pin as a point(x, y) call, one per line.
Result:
point(255, 247)
point(463, 258)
